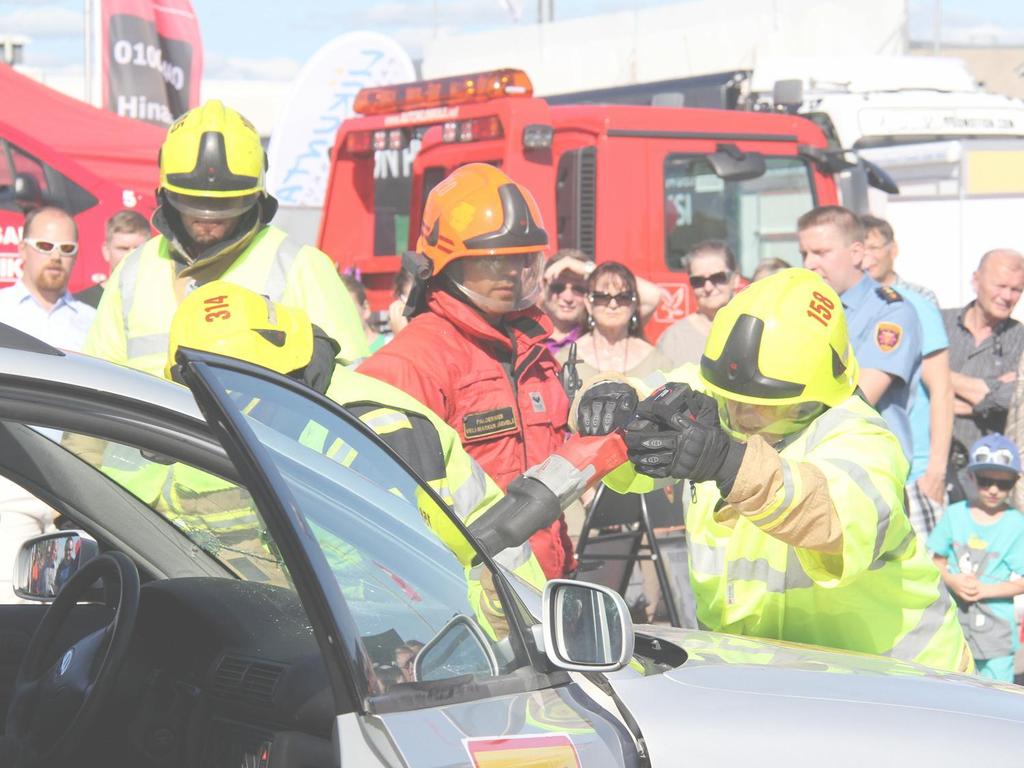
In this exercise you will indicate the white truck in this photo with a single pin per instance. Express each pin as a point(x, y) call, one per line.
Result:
point(955, 152)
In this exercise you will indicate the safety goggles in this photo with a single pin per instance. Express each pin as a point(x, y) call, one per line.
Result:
point(1002, 483)
point(718, 278)
point(558, 288)
point(64, 248)
point(602, 299)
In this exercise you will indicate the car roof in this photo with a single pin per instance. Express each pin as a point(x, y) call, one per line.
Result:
point(26, 357)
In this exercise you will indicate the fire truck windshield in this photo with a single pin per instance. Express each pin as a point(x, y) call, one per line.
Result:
point(756, 217)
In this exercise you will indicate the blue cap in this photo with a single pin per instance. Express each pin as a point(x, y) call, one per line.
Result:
point(995, 452)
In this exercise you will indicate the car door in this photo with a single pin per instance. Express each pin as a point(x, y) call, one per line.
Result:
point(431, 657)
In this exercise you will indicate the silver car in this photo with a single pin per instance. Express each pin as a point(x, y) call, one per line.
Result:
point(245, 576)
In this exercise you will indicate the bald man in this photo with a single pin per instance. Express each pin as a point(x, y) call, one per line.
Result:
point(985, 346)
point(40, 303)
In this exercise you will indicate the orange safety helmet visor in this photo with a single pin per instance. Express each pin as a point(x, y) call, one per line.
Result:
point(479, 211)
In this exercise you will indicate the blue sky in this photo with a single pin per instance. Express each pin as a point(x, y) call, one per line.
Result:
point(271, 38)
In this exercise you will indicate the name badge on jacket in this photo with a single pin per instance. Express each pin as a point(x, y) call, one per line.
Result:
point(488, 423)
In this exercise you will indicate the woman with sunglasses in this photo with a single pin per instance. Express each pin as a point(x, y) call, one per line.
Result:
point(711, 267)
point(615, 342)
point(978, 547)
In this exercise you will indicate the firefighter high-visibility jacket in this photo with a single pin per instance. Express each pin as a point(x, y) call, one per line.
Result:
point(813, 545)
point(498, 388)
point(141, 296)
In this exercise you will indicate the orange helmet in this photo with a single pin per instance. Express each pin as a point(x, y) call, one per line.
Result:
point(479, 212)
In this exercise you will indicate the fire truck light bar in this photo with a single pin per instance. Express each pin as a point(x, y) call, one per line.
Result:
point(445, 91)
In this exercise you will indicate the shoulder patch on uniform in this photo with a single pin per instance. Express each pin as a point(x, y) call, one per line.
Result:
point(888, 336)
point(889, 295)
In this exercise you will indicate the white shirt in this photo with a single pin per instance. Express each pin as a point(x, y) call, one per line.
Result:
point(63, 326)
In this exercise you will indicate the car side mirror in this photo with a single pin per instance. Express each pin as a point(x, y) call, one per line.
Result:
point(586, 627)
point(460, 648)
point(47, 562)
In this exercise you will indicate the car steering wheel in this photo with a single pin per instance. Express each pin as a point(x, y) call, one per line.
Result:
point(58, 694)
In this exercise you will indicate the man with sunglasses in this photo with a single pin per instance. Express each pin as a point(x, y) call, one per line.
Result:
point(711, 267)
point(474, 351)
point(978, 547)
point(40, 303)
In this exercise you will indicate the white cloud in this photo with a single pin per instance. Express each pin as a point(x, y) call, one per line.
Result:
point(239, 68)
point(45, 21)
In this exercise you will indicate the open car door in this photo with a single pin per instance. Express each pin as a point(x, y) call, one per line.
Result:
point(432, 659)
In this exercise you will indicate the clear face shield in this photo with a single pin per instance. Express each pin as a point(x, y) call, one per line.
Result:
point(772, 422)
point(499, 284)
point(211, 208)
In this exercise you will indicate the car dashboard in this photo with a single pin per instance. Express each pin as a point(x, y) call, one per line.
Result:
point(220, 671)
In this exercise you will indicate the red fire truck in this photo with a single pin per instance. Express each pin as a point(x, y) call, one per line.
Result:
point(635, 184)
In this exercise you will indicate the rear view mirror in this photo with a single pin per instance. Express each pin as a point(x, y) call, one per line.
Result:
point(46, 563)
point(460, 648)
point(586, 627)
point(730, 164)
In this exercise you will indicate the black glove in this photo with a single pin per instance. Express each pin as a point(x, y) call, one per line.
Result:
point(677, 434)
point(321, 368)
point(605, 407)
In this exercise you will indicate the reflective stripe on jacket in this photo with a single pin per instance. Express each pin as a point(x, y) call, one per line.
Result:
point(879, 593)
point(134, 316)
point(500, 392)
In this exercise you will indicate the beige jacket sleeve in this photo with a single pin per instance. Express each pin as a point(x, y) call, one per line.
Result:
point(788, 500)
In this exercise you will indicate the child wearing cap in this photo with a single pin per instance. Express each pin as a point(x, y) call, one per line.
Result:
point(978, 547)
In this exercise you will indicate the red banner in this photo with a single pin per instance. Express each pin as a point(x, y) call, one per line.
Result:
point(152, 58)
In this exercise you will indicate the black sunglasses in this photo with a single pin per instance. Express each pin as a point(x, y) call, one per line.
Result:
point(719, 279)
point(557, 288)
point(1002, 483)
point(622, 298)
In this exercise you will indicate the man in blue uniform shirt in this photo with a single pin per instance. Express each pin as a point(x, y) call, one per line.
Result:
point(884, 330)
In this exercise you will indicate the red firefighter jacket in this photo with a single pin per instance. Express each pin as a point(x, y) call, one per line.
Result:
point(498, 387)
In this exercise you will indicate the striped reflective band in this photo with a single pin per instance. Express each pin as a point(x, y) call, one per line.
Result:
point(127, 283)
point(867, 485)
point(712, 561)
point(471, 493)
point(280, 266)
point(342, 452)
point(385, 420)
point(789, 491)
point(514, 557)
point(914, 643)
point(834, 418)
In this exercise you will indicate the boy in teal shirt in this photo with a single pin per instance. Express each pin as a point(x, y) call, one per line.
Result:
point(978, 547)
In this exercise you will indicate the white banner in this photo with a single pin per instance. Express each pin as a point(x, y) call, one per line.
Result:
point(323, 95)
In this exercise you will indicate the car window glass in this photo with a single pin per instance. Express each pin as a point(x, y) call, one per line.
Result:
point(755, 217)
point(404, 570)
point(56, 188)
point(217, 515)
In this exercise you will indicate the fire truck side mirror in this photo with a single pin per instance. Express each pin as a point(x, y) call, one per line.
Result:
point(788, 95)
point(730, 164)
point(24, 192)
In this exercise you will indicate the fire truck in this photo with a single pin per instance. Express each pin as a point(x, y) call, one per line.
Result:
point(636, 184)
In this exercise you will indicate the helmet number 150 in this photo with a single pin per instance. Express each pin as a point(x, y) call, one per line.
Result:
point(820, 308)
point(216, 308)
